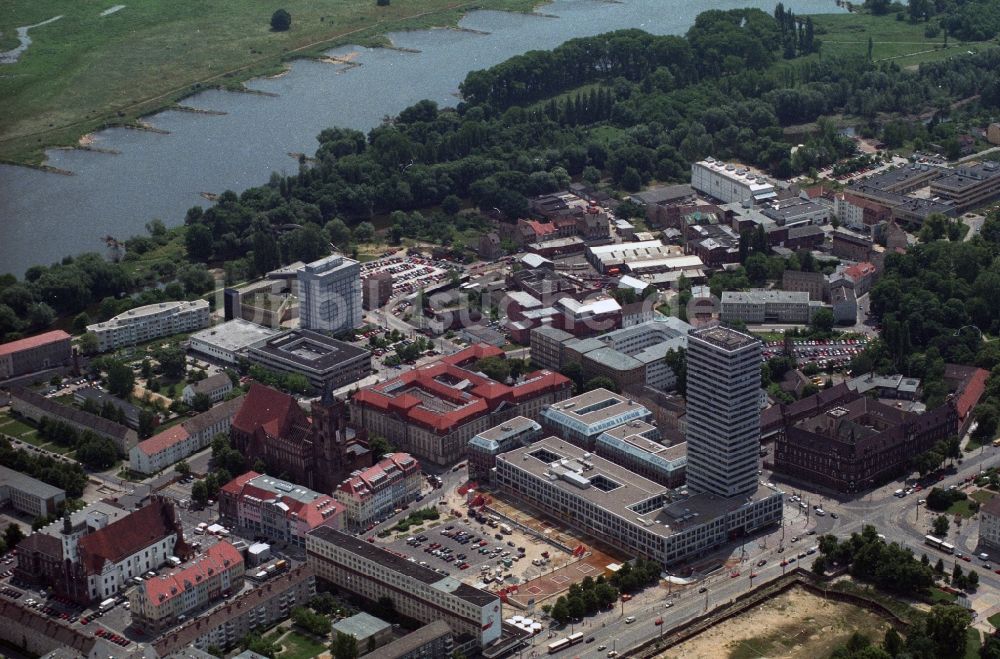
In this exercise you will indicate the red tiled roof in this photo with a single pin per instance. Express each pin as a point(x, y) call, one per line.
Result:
point(480, 397)
point(312, 513)
point(270, 409)
point(33, 342)
point(972, 385)
point(129, 535)
point(389, 470)
point(235, 486)
point(860, 270)
point(164, 440)
point(218, 558)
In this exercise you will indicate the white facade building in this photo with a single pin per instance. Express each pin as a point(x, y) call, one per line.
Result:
point(377, 491)
point(416, 592)
point(730, 183)
point(330, 294)
point(178, 442)
point(150, 322)
point(723, 411)
point(227, 341)
point(768, 306)
point(989, 523)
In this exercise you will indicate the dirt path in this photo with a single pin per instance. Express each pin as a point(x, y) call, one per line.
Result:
point(794, 625)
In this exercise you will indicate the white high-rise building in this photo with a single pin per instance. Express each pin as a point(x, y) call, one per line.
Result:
point(723, 411)
point(330, 294)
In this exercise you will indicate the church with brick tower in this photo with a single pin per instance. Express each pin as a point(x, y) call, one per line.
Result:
point(316, 450)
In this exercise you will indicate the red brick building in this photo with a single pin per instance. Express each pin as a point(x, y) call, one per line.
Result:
point(316, 452)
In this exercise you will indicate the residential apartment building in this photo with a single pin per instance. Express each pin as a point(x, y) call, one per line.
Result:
point(813, 283)
point(330, 294)
point(258, 608)
point(416, 592)
point(151, 322)
point(434, 410)
point(178, 442)
point(861, 275)
point(625, 510)
point(278, 510)
point(723, 411)
point(30, 405)
point(374, 493)
point(161, 602)
point(768, 306)
point(583, 418)
point(730, 183)
point(216, 387)
point(484, 448)
point(844, 304)
point(989, 523)
point(636, 446)
point(29, 495)
point(35, 353)
point(431, 641)
point(851, 246)
point(858, 213)
point(323, 360)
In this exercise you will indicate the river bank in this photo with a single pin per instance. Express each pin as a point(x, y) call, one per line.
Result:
point(159, 78)
point(243, 137)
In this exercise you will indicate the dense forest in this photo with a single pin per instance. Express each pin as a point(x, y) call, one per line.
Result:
point(624, 108)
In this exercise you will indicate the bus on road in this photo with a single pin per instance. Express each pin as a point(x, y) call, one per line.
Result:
point(556, 646)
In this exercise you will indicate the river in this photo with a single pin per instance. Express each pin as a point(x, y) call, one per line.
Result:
point(44, 216)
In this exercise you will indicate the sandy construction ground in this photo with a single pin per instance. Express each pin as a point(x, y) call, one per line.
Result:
point(796, 624)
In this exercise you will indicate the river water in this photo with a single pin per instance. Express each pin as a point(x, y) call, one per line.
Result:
point(44, 216)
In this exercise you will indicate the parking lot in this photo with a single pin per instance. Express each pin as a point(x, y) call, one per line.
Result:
point(825, 353)
point(409, 273)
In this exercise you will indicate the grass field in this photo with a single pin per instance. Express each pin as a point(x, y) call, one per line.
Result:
point(298, 646)
point(982, 496)
point(960, 508)
point(85, 71)
point(899, 41)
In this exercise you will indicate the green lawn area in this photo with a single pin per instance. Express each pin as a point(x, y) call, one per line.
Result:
point(973, 643)
point(960, 508)
point(982, 496)
point(938, 596)
point(85, 71)
point(901, 41)
point(995, 620)
point(15, 427)
point(298, 646)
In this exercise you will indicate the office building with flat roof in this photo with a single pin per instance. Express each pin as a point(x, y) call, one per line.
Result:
point(768, 306)
point(723, 411)
point(637, 446)
point(29, 495)
point(367, 630)
point(484, 448)
point(324, 361)
point(625, 510)
point(228, 341)
point(150, 322)
point(34, 353)
point(969, 186)
point(330, 294)
point(730, 183)
point(431, 641)
point(417, 592)
point(583, 418)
